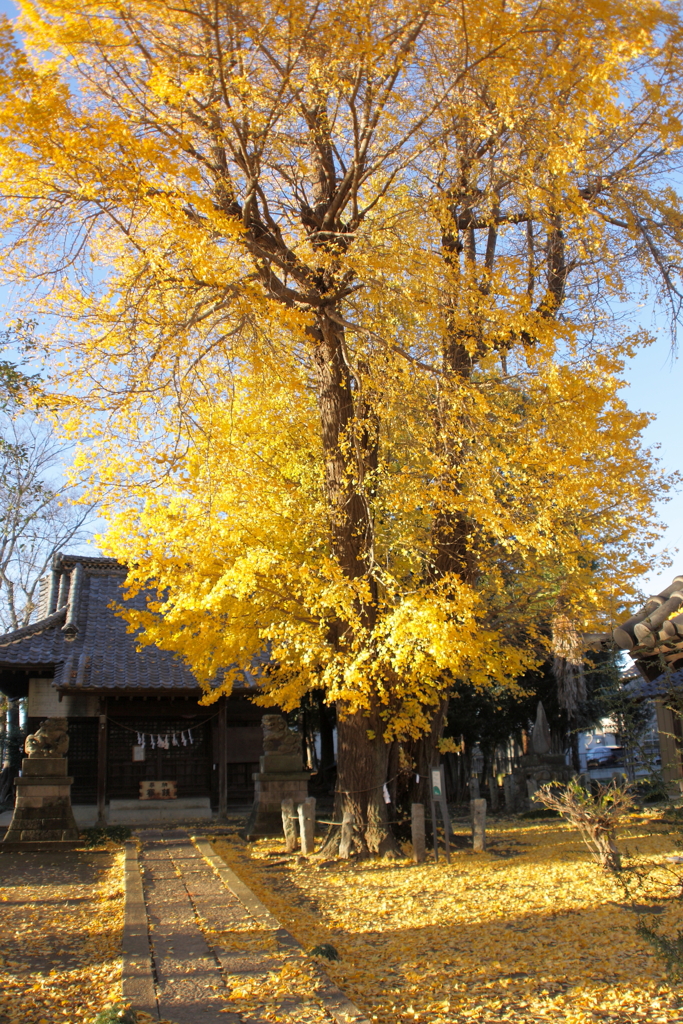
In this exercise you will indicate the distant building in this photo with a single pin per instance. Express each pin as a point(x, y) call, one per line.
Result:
point(133, 715)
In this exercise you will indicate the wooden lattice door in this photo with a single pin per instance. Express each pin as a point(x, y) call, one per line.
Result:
point(188, 766)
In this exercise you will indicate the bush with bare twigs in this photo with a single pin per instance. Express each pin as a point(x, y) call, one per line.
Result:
point(595, 813)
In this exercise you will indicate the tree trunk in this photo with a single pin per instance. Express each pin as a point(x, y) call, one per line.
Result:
point(362, 759)
point(574, 746)
point(350, 452)
point(608, 852)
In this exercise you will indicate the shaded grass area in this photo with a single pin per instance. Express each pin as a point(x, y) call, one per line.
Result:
point(530, 931)
point(60, 941)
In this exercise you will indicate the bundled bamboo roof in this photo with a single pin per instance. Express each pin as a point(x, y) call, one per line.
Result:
point(654, 635)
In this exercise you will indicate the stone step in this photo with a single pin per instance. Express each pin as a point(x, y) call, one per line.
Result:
point(142, 812)
point(34, 835)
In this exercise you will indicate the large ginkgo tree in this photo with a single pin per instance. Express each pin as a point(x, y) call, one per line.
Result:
point(328, 292)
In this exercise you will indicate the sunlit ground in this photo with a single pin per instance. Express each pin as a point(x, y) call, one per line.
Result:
point(60, 940)
point(531, 930)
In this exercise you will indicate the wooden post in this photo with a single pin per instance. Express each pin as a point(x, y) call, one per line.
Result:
point(478, 809)
point(222, 759)
point(289, 825)
point(493, 790)
point(102, 764)
point(672, 771)
point(346, 840)
point(307, 825)
point(446, 826)
point(511, 797)
point(435, 834)
point(417, 828)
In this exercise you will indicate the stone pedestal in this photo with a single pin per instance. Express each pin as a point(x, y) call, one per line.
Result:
point(536, 770)
point(281, 778)
point(42, 811)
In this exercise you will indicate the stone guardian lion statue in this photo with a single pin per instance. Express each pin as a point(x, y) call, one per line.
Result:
point(277, 738)
point(51, 739)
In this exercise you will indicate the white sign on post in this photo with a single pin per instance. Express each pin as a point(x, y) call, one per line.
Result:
point(439, 800)
point(436, 783)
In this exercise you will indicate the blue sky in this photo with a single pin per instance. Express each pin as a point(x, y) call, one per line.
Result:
point(654, 385)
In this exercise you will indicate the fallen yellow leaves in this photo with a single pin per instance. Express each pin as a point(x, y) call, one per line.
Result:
point(280, 988)
point(60, 944)
point(530, 931)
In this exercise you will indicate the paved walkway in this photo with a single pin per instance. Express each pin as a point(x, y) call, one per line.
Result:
point(208, 936)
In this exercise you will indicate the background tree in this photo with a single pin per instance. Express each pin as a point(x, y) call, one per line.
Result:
point(285, 206)
point(494, 717)
point(16, 386)
point(38, 513)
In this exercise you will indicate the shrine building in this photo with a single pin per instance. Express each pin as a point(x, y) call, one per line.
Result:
point(142, 748)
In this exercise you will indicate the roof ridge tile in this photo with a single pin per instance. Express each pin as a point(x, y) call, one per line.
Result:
point(49, 622)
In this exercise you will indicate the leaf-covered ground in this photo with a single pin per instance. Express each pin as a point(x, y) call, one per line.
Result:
point(532, 930)
point(60, 936)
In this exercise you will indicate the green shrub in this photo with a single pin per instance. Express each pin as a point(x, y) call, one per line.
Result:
point(100, 836)
point(118, 1014)
point(325, 949)
point(650, 789)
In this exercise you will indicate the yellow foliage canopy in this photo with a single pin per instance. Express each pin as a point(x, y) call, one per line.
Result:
point(235, 536)
point(332, 285)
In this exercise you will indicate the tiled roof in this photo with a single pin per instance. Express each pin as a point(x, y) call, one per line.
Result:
point(661, 686)
point(86, 642)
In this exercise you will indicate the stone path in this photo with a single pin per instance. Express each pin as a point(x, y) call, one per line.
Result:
point(208, 936)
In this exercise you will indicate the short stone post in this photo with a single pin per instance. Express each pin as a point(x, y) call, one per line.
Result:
point(307, 825)
point(417, 827)
point(346, 840)
point(289, 825)
point(478, 809)
point(493, 791)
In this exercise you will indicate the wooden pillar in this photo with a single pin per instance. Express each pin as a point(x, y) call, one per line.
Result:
point(417, 828)
point(222, 759)
point(478, 811)
point(102, 764)
point(669, 747)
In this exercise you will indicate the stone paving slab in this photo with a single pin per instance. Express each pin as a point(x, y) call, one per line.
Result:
point(336, 1003)
point(189, 984)
point(191, 925)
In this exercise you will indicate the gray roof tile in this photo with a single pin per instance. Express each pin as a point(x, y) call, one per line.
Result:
point(101, 655)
